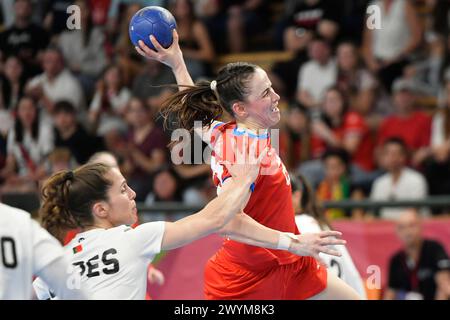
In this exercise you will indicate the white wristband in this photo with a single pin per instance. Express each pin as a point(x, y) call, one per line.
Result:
point(284, 241)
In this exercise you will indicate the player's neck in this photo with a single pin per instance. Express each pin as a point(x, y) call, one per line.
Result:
point(251, 127)
point(98, 225)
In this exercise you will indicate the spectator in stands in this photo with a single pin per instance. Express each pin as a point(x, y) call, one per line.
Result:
point(437, 163)
point(109, 103)
point(234, 20)
point(337, 127)
point(83, 49)
point(69, 133)
point(318, 16)
point(354, 79)
point(12, 82)
point(336, 184)
point(399, 182)
point(421, 269)
point(59, 159)
point(122, 49)
point(56, 15)
point(28, 144)
point(55, 84)
point(284, 74)
point(295, 137)
point(145, 152)
point(194, 40)
point(146, 86)
point(316, 75)
point(426, 71)
point(388, 49)
point(166, 187)
point(24, 39)
point(414, 127)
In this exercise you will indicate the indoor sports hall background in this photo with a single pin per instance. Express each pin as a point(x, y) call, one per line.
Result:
point(365, 100)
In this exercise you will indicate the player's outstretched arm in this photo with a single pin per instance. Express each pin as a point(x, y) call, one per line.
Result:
point(219, 211)
point(244, 229)
point(172, 57)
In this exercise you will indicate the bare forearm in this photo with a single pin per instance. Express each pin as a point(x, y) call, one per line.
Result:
point(182, 75)
point(245, 229)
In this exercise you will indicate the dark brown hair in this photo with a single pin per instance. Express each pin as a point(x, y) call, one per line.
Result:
point(200, 103)
point(68, 197)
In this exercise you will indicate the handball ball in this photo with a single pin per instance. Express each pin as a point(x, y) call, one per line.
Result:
point(152, 20)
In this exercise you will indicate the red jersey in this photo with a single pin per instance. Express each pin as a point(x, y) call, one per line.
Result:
point(415, 130)
point(270, 203)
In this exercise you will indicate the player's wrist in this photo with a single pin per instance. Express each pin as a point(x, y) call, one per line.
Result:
point(285, 240)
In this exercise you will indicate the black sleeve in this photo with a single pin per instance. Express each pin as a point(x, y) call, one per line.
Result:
point(440, 257)
point(394, 281)
point(332, 10)
point(43, 38)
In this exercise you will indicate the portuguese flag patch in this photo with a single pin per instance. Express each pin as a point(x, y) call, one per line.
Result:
point(77, 249)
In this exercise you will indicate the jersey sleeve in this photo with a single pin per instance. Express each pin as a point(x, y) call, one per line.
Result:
point(41, 290)
point(441, 258)
point(146, 239)
point(207, 132)
point(46, 248)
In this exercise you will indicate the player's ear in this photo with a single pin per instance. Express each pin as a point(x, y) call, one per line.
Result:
point(239, 109)
point(100, 209)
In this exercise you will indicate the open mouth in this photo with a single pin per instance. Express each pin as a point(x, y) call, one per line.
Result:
point(275, 109)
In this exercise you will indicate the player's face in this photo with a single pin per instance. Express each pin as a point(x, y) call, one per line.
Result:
point(262, 102)
point(121, 205)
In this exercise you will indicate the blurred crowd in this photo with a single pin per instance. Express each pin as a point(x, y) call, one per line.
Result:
point(366, 111)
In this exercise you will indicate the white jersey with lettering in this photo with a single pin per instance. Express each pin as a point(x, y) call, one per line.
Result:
point(112, 262)
point(26, 249)
point(342, 266)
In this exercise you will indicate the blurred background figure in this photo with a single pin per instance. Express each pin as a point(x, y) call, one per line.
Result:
point(421, 269)
point(145, 150)
point(387, 50)
point(109, 103)
point(56, 83)
point(399, 182)
point(84, 50)
point(194, 39)
point(24, 39)
point(29, 143)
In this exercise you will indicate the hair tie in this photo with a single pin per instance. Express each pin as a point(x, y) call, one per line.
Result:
point(69, 176)
point(213, 85)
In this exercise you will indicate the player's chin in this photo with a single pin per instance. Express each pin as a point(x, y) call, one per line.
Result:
point(133, 216)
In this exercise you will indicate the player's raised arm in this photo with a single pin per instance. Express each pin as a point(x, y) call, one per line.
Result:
point(172, 57)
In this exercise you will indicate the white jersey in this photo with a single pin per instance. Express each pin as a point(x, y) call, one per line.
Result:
point(26, 249)
point(112, 262)
point(342, 266)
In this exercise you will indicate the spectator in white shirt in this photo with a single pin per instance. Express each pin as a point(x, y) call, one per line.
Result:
point(56, 83)
point(316, 75)
point(29, 142)
point(399, 182)
point(83, 49)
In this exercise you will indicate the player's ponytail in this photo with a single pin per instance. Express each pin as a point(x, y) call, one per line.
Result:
point(68, 197)
point(206, 101)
